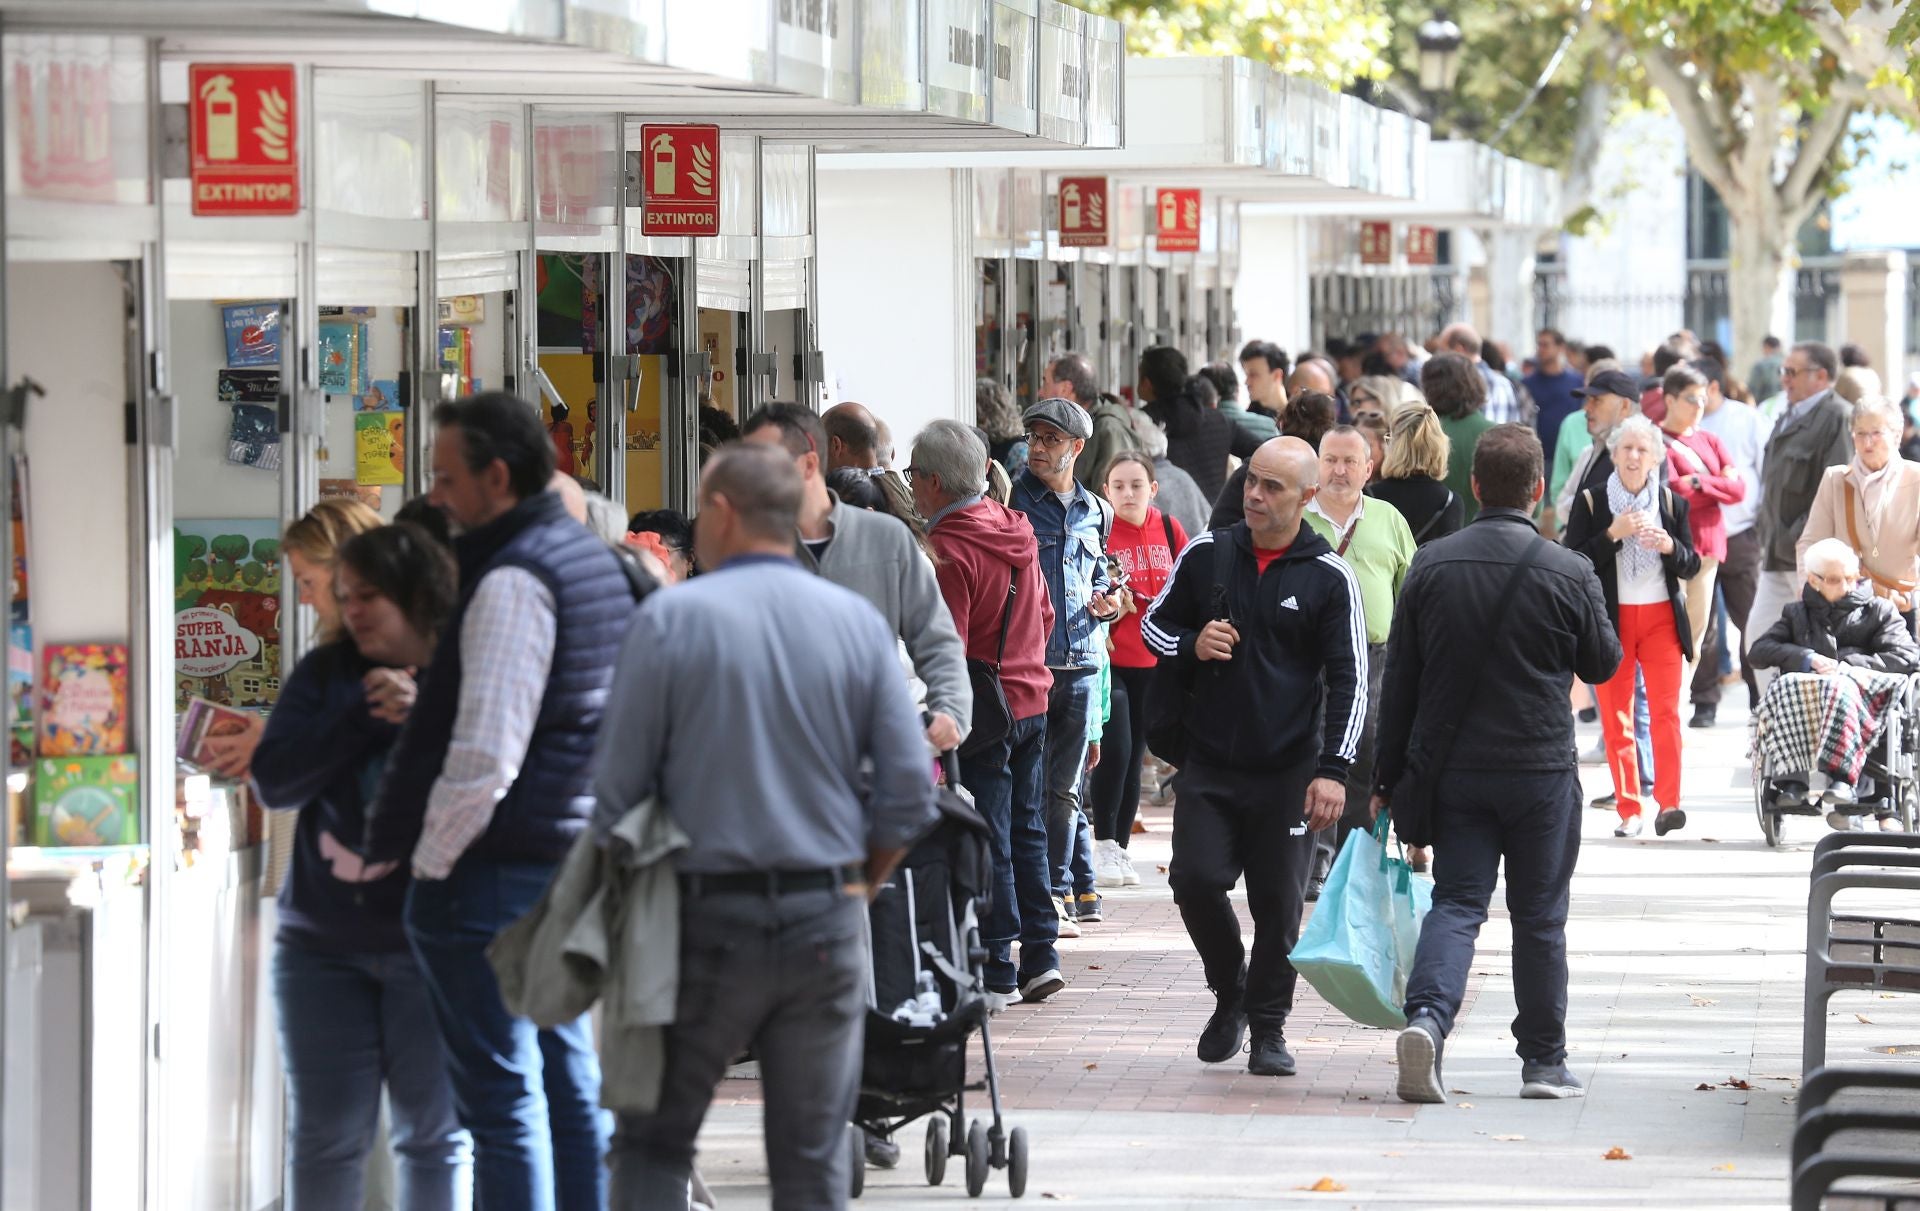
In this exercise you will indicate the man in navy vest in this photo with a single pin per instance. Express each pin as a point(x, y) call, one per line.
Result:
point(488, 786)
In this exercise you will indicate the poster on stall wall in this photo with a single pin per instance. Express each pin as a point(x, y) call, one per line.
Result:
point(253, 333)
point(226, 600)
point(380, 448)
point(717, 339)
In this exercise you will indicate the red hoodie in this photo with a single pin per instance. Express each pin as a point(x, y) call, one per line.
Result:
point(978, 547)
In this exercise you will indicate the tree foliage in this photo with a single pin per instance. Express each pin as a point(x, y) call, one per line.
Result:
point(1333, 41)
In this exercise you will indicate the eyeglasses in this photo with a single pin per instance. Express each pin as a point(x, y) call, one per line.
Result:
point(1791, 372)
point(911, 473)
point(1872, 435)
point(1045, 442)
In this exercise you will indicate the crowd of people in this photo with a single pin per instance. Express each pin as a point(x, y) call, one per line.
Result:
point(1289, 579)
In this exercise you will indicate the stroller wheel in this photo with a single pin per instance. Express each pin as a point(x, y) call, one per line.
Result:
point(979, 1158)
point(857, 1154)
point(1017, 1162)
point(936, 1149)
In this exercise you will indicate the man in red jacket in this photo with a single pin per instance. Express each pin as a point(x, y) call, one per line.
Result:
point(989, 574)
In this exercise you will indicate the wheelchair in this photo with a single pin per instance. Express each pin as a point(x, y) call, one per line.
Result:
point(1891, 763)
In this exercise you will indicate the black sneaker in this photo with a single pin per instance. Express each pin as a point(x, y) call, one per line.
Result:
point(1220, 1041)
point(1589, 714)
point(1419, 1050)
point(1704, 715)
point(881, 1153)
point(1789, 792)
point(1604, 803)
point(1270, 1056)
point(1669, 820)
point(1088, 908)
point(1548, 1081)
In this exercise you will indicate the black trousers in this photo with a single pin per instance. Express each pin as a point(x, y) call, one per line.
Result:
point(1115, 782)
point(1327, 841)
point(1229, 823)
point(1739, 576)
point(1530, 820)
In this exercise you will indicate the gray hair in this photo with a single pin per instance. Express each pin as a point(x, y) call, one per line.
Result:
point(1892, 419)
point(953, 452)
point(1152, 438)
point(605, 518)
point(1831, 552)
point(1639, 425)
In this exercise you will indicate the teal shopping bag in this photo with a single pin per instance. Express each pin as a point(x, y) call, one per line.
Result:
point(1358, 948)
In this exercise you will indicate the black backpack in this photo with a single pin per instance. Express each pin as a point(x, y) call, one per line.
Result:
point(1170, 690)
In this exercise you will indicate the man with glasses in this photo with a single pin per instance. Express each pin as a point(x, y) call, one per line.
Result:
point(1071, 526)
point(1812, 434)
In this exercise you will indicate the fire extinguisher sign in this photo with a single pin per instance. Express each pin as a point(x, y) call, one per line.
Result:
point(1083, 212)
point(680, 180)
point(1177, 220)
point(245, 138)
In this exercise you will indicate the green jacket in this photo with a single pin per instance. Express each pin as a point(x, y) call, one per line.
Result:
point(1112, 433)
point(1463, 433)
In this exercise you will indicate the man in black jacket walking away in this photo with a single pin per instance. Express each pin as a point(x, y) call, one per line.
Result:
point(1504, 785)
point(1279, 696)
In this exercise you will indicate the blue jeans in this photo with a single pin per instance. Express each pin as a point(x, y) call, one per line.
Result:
point(1007, 783)
point(1642, 729)
point(1068, 705)
point(530, 1096)
point(1528, 821)
point(349, 1024)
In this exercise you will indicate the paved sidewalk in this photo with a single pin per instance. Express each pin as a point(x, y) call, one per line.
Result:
point(1686, 956)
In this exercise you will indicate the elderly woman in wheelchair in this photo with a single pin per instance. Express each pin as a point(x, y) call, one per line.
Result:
point(1845, 657)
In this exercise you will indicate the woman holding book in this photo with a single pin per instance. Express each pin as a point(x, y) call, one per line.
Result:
point(354, 1011)
point(308, 548)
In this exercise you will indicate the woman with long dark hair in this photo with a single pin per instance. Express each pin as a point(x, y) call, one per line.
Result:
point(354, 1011)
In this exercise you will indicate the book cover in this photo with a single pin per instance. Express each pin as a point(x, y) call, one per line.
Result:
point(202, 721)
point(226, 600)
point(83, 699)
point(253, 440)
point(383, 397)
point(86, 801)
point(343, 368)
point(249, 386)
point(20, 601)
point(253, 333)
point(20, 668)
point(380, 447)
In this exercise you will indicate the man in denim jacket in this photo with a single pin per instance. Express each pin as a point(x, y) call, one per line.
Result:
point(1071, 525)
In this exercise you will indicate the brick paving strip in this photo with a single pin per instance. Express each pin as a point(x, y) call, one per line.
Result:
point(1686, 958)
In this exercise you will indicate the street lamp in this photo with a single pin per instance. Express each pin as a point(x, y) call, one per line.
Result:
point(1439, 41)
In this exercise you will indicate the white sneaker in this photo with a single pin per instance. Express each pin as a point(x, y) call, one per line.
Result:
point(1107, 865)
point(1042, 986)
point(1069, 928)
point(1128, 875)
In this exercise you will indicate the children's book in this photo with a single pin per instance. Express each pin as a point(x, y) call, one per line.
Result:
point(343, 368)
point(203, 721)
point(249, 386)
point(20, 668)
point(226, 601)
point(253, 333)
point(380, 447)
point(87, 801)
point(253, 440)
point(83, 699)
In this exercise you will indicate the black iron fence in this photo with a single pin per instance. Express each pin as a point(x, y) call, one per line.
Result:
point(1414, 304)
point(1631, 320)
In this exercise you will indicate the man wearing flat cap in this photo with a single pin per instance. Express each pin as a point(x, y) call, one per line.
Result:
point(1071, 525)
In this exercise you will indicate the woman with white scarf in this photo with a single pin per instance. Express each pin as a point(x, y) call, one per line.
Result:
point(1873, 505)
point(1636, 533)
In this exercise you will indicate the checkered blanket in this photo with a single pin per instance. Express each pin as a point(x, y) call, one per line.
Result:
point(1811, 721)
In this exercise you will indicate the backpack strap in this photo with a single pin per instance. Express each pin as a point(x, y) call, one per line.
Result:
point(1222, 571)
point(1166, 523)
point(1435, 519)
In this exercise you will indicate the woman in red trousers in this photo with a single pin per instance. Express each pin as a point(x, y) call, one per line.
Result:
point(1634, 529)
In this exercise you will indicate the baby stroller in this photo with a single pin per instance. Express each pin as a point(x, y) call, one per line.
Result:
point(928, 996)
point(1781, 725)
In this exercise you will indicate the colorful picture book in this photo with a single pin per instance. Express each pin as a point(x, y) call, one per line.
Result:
point(380, 447)
point(203, 721)
point(253, 333)
point(87, 801)
point(383, 397)
point(343, 366)
point(226, 599)
point(20, 598)
point(83, 699)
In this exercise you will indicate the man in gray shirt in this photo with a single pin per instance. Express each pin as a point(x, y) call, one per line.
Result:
point(749, 700)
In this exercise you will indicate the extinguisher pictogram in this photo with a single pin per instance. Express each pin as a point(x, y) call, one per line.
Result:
point(221, 115)
point(662, 164)
point(1169, 211)
point(1070, 207)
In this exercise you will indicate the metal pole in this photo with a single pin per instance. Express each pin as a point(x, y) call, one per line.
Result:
point(424, 333)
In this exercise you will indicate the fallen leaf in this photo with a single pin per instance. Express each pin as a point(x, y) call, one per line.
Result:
point(1616, 1154)
point(1093, 967)
point(1703, 1087)
point(1726, 1168)
point(1089, 1067)
point(1509, 1139)
point(1460, 1091)
point(1734, 1082)
point(1058, 1198)
point(1864, 1019)
point(1325, 1185)
point(1466, 1105)
point(1711, 840)
point(1700, 1000)
point(1364, 1098)
point(1161, 869)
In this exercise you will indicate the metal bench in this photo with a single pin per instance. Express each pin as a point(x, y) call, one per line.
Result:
point(1815, 1170)
point(1862, 952)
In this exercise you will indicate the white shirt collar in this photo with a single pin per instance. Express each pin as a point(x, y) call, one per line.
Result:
point(1359, 508)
